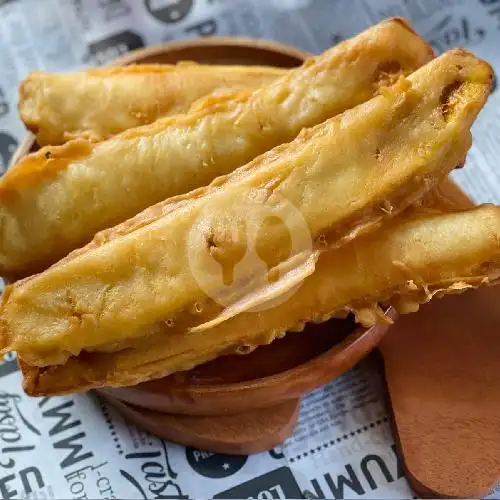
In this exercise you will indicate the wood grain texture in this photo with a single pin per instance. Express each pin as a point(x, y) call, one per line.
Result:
point(218, 50)
point(441, 368)
point(251, 432)
point(442, 373)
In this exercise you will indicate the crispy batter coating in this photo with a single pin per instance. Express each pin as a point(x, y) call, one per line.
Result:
point(99, 103)
point(343, 176)
point(55, 200)
point(406, 262)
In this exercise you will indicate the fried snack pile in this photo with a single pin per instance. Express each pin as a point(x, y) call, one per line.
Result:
point(56, 199)
point(406, 262)
point(99, 103)
point(328, 173)
point(367, 164)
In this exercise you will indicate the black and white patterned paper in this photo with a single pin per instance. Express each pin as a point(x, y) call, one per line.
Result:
point(76, 446)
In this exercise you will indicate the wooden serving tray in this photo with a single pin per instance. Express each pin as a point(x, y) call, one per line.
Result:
point(443, 378)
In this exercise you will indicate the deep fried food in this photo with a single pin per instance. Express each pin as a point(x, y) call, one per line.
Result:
point(99, 103)
point(56, 199)
point(406, 262)
point(343, 177)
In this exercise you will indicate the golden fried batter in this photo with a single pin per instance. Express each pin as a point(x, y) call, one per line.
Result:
point(406, 262)
point(99, 103)
point(343, 177)
point(55, 200)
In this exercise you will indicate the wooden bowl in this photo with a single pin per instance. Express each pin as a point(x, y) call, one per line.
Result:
point(248, 403)
point(282, 371)
point(218, 50)
point(263, 389)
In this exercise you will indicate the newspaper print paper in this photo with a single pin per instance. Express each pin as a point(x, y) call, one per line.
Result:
point(76, 446)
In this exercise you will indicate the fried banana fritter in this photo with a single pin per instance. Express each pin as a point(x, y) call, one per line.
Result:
point(99, 103)
point(56, 199)
point(406, 263)
point(344, 177)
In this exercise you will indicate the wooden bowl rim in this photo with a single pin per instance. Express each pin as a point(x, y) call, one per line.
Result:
point(260, 392)
point(215, 41)
point(341, 347)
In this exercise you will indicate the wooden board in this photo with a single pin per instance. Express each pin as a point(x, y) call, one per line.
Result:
point(443, 378)
point(250, 432)
point(442, 371)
